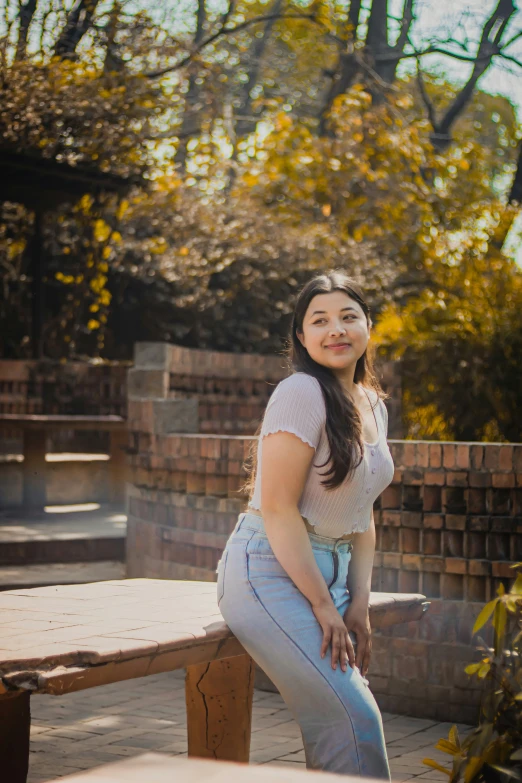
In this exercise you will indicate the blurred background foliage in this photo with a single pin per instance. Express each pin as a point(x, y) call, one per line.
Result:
point(274, 140)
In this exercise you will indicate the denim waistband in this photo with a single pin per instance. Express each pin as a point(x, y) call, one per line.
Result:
point(249, 521)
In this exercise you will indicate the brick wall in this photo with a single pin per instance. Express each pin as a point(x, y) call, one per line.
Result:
point(53, 387)
point(232, 390)
point(448, 526)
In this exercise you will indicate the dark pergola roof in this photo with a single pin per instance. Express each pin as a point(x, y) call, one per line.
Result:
point(43, 184)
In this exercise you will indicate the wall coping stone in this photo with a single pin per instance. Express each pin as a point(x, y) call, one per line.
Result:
point(197, 361)
point(391, 441)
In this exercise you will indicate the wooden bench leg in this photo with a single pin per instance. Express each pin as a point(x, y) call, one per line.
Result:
point(219, 708)
point(15, 725)
point(34, 468)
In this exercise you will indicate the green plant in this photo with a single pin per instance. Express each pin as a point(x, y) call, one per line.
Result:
point(492, 752)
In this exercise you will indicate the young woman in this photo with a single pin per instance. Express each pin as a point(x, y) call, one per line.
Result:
point(294, 579)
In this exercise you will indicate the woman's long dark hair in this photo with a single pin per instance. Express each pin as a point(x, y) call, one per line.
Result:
point(343, 423)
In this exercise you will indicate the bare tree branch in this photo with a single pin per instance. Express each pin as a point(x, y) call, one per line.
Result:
point(512, 59)
point(406, 23)
point(224, 31)
point(430, 108)
point(228, 13)
point(512, 40)
point(495, 26)
point(392, 56)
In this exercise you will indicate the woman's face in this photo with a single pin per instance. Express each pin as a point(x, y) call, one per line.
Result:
point(335, 330)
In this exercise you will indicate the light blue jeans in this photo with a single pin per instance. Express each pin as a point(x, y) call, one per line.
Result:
point(340, 721)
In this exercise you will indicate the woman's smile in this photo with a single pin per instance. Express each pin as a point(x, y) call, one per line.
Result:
point(339, 347)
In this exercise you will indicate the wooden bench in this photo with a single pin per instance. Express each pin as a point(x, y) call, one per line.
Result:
point(67, 638)
point(35, 428)
point(162, 769)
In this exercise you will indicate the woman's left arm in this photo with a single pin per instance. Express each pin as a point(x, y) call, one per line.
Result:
point(356, 617)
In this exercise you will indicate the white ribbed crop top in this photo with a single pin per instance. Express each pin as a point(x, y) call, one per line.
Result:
point(297, 405)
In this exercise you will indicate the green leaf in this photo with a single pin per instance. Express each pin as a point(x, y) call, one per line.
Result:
point(484, 670)
point(516, 756)
point(473, 767)
point(499, 622)
point(484, 615)
point(453, 736)
point(517, 587)
point(447, 746)
point(436, 765)
point(473, 668)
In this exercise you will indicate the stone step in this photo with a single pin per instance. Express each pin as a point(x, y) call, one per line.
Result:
point(68, 534)
point(62, 550)
point(18, 577)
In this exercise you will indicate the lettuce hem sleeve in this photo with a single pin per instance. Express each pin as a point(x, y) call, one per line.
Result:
point(291, 430)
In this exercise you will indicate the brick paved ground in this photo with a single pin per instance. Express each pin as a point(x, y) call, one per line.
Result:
point(83, 730)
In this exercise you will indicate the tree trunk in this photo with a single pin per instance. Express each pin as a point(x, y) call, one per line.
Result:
point(27, 12)
point(515, 193)
point(377, 62)
point(79, 21)
point(245, 125)
point(348, 69)
point(488, 48)
point(509, 216)
point(112, 62)
point(190, 123)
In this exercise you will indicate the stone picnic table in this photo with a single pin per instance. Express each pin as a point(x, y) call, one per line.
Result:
point(157, 768)
point(66, 638)
point(35, 428)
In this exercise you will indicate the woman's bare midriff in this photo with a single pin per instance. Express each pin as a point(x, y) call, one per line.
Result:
point(309, 527)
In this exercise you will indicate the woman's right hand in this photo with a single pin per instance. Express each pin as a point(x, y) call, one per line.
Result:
point(335, 634)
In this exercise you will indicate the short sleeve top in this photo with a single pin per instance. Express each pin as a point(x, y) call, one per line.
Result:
point(297, 405)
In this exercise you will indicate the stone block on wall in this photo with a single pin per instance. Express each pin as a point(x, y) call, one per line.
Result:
point(143, 384)
point(151, 356)
point(172, 416)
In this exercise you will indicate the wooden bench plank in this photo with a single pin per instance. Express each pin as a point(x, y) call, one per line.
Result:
point(41, 421)
point(103, 632)
point(68, 679)
point(123, 620)
point(161, 769)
